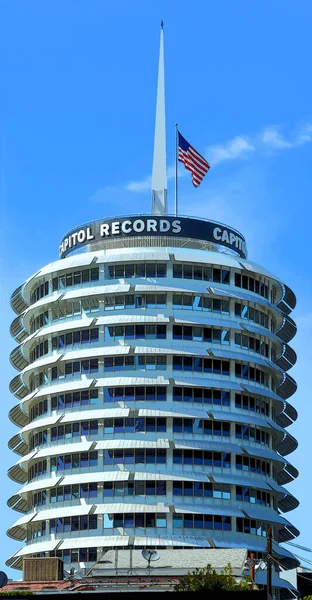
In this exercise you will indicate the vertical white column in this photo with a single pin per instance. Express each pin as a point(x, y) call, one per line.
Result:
point(159, 175)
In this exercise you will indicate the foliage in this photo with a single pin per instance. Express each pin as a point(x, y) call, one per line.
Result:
point(207, 579)
point(307, 597)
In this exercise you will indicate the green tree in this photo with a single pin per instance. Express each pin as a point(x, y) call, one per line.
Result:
point(207, 579)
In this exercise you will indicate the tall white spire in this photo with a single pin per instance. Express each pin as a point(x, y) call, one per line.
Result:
point(159, 176)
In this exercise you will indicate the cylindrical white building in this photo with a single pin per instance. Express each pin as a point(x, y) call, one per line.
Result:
point(152, 395)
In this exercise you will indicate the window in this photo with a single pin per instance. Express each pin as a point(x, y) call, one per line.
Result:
point(251, 526)
point(138, 394)
point(200, 458)
point(253, 434)
point(75, 368)
point(74, 399)
point(85, 428)
point(201, 272)
point(131, 332)
point(75, 278)
point(253, 285)
point(139, 270)
point(39, 409)
point(252, 343)
point(201, 365)
point(244, 463)
point(64, 524)
point(252, 373)
point(141, 362)
point(197, 521)
point(39, 292)
point(201, 395)
point(201, 334)
point(39, 321)
point(84, 336)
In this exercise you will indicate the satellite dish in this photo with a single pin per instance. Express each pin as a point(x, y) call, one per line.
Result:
point(3, 579)
point(150, 556)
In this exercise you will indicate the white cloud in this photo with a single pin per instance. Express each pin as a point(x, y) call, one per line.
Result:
point(139, 186)
point(239, 148)
point(272, 138)
point(233, 149)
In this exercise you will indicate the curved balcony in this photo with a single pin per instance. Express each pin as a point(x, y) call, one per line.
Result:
point(18, 503)
point(18, 301)
point(18, 359)
point(287, 388)
point(18, 445)
point(17, 330)
point(18, 387)
point(288, 415)
point(288, 300)
point(287, 359)
point(287, 330)
point(17, 416)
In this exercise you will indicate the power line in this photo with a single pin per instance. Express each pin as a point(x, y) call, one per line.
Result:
point(298, 546)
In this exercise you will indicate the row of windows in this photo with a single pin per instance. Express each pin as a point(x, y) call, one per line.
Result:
point(246, 311)
point(200, 302)
point(63, 525)
point(152, 270)
point(129, 332)
point(39, 292)
point(149, 456)
point(148, 520)
point(201, 395)
point(152, 393)
point(253, 404)
point(205, 426)
point(75, 338)
point(200, 458)
point(194, 521)
point(201, 272)
point(122, 301)
point(150, 362)
point(38, 409)
point(68, 461)
point(214, 335)
point(247, 494)
point(68, 308)
point(147, 425)
point(138, 332)
point(39, 350)
point(76, 278)
point(252, 284)
point(201, 365)
point(251, 526)
point(197, 489)
point(253, 465)
point(74, 399)
point(252, 373)
point(129, 270)
point(39, 321)
point(75, 555)
point(252, 434)
point(249, 342)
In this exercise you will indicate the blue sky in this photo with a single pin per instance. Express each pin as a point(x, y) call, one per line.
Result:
point(77, 112)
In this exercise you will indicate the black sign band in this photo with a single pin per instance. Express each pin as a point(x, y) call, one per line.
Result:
point(183, 227)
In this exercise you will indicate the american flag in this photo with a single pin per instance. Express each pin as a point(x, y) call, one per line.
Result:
point(193, 161)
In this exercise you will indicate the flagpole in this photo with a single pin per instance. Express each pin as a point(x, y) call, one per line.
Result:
point(176, 172)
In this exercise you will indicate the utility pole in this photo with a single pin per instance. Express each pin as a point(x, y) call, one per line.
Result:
point(269, 565)
point(252, 568)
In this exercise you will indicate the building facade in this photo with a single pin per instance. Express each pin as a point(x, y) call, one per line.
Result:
point(152, 394)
